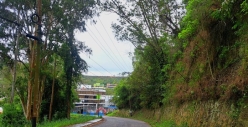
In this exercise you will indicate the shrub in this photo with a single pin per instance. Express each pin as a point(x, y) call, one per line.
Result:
point(12, 116)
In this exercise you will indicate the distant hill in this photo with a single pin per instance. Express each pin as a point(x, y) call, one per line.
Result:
point(101, 79)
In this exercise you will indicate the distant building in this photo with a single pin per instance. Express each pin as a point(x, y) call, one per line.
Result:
point(111, 86)
point(84, 86)
point(92, 99)
point(89, 97)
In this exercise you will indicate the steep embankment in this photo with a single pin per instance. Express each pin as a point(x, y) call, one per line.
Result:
point(210, 85)
point(209, 81)
point(193, 114)
point(212, 63)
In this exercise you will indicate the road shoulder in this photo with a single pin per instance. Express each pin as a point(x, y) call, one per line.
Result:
point(89, 123)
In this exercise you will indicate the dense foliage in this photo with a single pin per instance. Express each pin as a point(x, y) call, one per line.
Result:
point(179, 57)
point(12, 115)
point(44, 74)
point(205, 60)
point(154, 35)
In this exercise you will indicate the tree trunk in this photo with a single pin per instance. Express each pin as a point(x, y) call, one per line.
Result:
point(69, 71)
point(15, 62)
point(30, 82)
point(51, 103)
point(68, 91)
point(36, 85)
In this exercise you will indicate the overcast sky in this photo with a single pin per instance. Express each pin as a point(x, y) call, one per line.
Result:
point(110, 57)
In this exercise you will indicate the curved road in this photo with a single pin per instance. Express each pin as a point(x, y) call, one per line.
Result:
point(121, 122)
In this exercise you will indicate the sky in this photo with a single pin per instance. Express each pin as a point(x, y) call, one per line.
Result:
point(109, 56)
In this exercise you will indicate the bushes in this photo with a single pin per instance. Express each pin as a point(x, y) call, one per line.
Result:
point(12, 116)
point(75, 119)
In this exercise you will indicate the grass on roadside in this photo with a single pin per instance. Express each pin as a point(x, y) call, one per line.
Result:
point(141, 116)
point(112, 113)
point(75, 119)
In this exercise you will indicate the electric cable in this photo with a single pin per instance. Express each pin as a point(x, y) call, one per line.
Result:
point(103, 49)
point(113, 42)
point(99, 66)
point(109, 47)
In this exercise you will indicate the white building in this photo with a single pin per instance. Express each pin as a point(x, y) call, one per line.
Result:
point(108, 100)
point(89, 101)
point(84, 86)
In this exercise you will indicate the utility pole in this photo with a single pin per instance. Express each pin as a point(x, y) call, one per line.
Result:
point(34, 92)
point(36, 85)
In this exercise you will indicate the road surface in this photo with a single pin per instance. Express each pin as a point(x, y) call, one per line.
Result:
point(121, 122)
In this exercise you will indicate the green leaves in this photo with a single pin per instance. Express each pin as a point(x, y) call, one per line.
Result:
point(244, 7)
point(143, 22)
point(197, 12)
point(98, 96)
point(121, 96)
point(12, 115)
point(60, 18)
point(189, 30)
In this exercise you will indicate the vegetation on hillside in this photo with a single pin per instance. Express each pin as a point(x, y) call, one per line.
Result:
point(193, 51)
point(154, 36)
point(90, 80)
point(45, 73)
point(205, 60)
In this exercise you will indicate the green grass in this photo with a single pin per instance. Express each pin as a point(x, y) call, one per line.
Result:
point(112, 113)
point(152, 122)
point(75, 119)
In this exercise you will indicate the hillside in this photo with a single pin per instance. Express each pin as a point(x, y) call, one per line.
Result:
point(214, 58)
point(200, 77)
point(101, 79)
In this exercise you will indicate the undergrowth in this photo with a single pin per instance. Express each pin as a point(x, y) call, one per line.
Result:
point(139, 115)
point(75, 119)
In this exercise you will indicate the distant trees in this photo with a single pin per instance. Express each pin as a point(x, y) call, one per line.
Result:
point(100, 79)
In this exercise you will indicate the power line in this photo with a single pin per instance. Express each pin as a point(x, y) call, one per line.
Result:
point(109, 47)
point(101, 66)
point(98, 65)
point(93, 74)
point(103, 49)
point(97, 69)
point(112, 42)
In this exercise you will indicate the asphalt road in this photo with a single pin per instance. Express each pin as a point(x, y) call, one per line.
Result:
point(121, 122)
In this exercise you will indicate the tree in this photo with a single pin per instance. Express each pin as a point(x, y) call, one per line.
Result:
point(5, 82)
point(144, 21)
point(121, 95)
point(152, 26)
point(77, 11)
point(60, 18)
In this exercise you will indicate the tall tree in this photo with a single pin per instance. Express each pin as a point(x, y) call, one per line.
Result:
point(60, 18)
point(150, 25)
point(75, 13)
point(144, 21)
